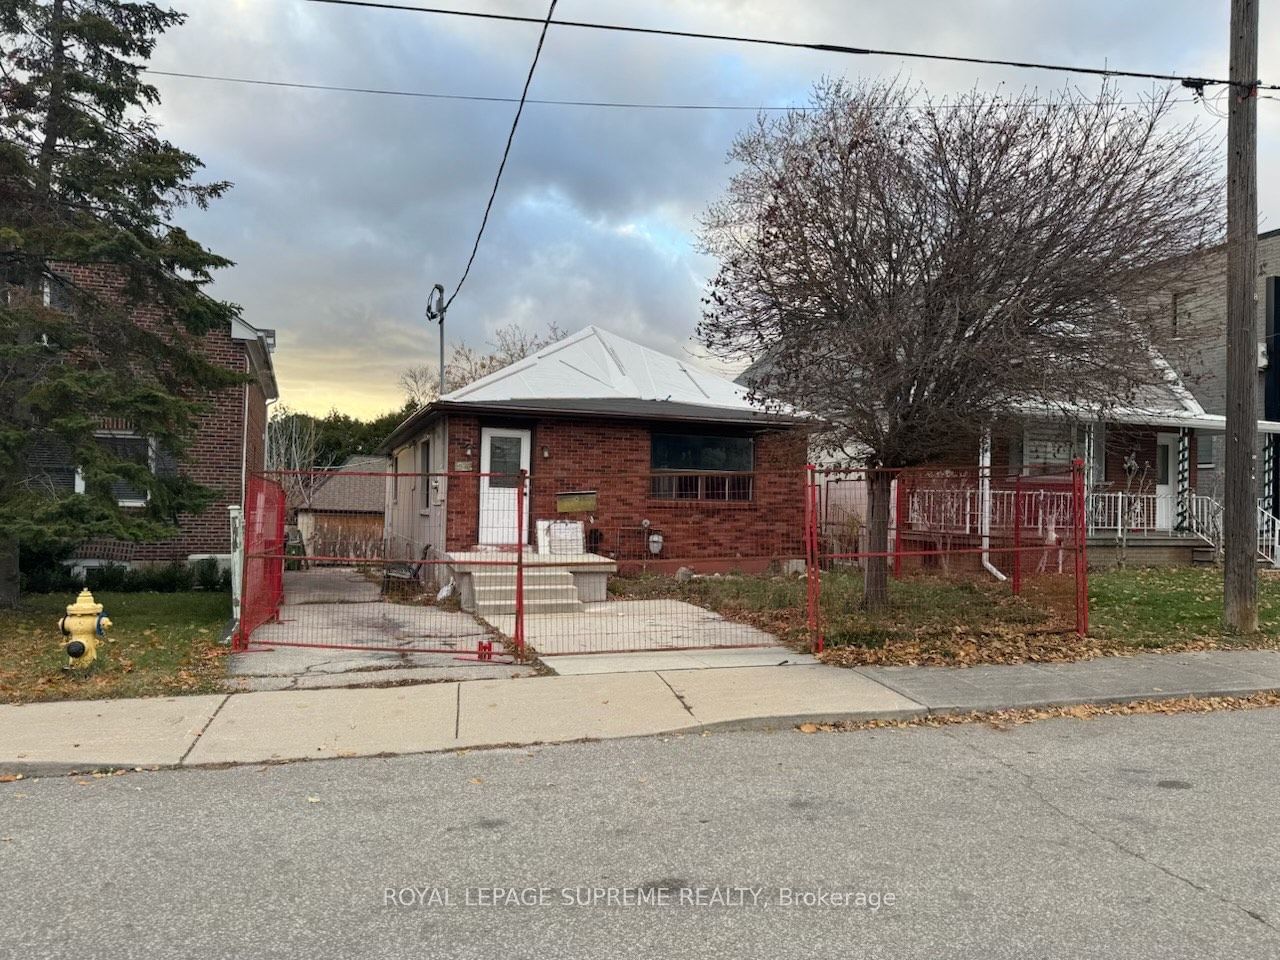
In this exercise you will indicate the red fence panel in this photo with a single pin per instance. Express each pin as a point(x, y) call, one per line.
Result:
point(591, 562)
point(264, 547)
point(1022, 531)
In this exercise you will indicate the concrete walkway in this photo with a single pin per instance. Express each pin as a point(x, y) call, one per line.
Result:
point(301, 724)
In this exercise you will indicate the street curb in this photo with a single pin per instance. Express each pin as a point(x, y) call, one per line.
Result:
point(789, 720)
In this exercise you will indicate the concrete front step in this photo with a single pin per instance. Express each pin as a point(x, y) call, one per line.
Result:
point(531, 607)
point(545, 591)
point(1208, 557)
point(532, 591)
point(507, 578)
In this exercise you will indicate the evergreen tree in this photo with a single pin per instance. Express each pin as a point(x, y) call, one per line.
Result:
point(89, 188)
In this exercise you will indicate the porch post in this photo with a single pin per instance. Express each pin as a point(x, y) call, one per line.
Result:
point(1095, 469)
point(1184, 479)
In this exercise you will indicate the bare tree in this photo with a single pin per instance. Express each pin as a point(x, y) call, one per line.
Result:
point(421, 384)
point(910, 271)
point(466, 365)
point(293, 448)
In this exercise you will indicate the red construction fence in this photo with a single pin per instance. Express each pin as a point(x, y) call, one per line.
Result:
point(481, 564)
point(264, 535)
point(1024, 534)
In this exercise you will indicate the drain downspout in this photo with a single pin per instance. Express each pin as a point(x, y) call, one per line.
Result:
point(984, 495)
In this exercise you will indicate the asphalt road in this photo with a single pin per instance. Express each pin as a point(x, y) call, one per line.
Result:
point(1125, 837)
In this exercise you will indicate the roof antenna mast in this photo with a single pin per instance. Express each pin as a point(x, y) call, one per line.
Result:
point(436, 307)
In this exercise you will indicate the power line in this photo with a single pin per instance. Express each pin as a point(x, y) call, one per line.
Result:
point(506, 152)
point(480, 98)
point(1194, 83)
point(465, 96)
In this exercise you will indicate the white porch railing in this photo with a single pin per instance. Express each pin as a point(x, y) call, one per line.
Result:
point(1268, 536)
point(957, 510)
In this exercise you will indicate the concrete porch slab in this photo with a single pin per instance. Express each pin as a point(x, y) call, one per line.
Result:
point(661, 660)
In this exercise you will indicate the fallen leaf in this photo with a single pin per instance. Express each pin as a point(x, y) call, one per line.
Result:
point(808, 728)
point(476, 780)
point(10, 777)
point(313, 799)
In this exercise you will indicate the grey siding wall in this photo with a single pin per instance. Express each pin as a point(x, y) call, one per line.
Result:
point(1196, 340)
point(415, 506)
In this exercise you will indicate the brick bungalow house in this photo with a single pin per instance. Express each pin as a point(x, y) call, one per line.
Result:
point(663, 464)
point(229, 441)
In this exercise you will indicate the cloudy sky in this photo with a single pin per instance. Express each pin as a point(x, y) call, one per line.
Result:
point(347, 207)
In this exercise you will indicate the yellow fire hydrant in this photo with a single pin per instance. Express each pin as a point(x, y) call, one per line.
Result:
point(82, 626)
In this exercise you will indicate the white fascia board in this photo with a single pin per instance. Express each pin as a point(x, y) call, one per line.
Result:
point(1139, 417)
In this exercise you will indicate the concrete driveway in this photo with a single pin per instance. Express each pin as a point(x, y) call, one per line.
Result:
point(336, 629)
point(633, 625)
point(312, 668)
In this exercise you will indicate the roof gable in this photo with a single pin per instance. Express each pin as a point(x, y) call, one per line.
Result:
point(594, 364)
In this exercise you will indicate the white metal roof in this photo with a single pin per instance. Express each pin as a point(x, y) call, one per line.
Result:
point(594, 364)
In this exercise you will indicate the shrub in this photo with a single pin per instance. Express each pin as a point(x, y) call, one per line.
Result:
point(52, 575)
point(173, 578)
point(207, 573)
point(112, 577)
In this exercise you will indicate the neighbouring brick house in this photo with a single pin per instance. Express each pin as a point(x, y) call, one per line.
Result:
point(1154, 464)
point(663, 464)
point(228, 444)
point(1195, 342)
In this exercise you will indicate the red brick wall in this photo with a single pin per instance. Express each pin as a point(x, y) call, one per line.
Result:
point(1141, 442)
point(613, 458)
point(255, 454)
point(462, 496)
point(214, 456)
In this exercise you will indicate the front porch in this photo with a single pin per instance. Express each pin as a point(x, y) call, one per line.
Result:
point(1152, 490)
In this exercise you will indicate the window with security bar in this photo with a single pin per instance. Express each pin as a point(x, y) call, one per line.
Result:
point(701, 467)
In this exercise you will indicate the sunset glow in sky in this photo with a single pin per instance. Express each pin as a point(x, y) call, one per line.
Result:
point(347, 207)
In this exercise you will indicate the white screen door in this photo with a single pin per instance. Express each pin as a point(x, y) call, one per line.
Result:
point(504, 452)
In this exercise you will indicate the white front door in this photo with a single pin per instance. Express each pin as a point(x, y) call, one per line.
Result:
point(1166, 481)
point(504, 453)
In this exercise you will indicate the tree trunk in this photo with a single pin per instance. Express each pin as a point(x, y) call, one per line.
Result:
point(8, 572)
point(875, 586)
point(57, 93)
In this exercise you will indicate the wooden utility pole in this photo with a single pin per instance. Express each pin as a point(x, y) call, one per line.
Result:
point(1240, 507)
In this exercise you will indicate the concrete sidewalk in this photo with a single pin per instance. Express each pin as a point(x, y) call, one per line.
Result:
point(279, 726)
